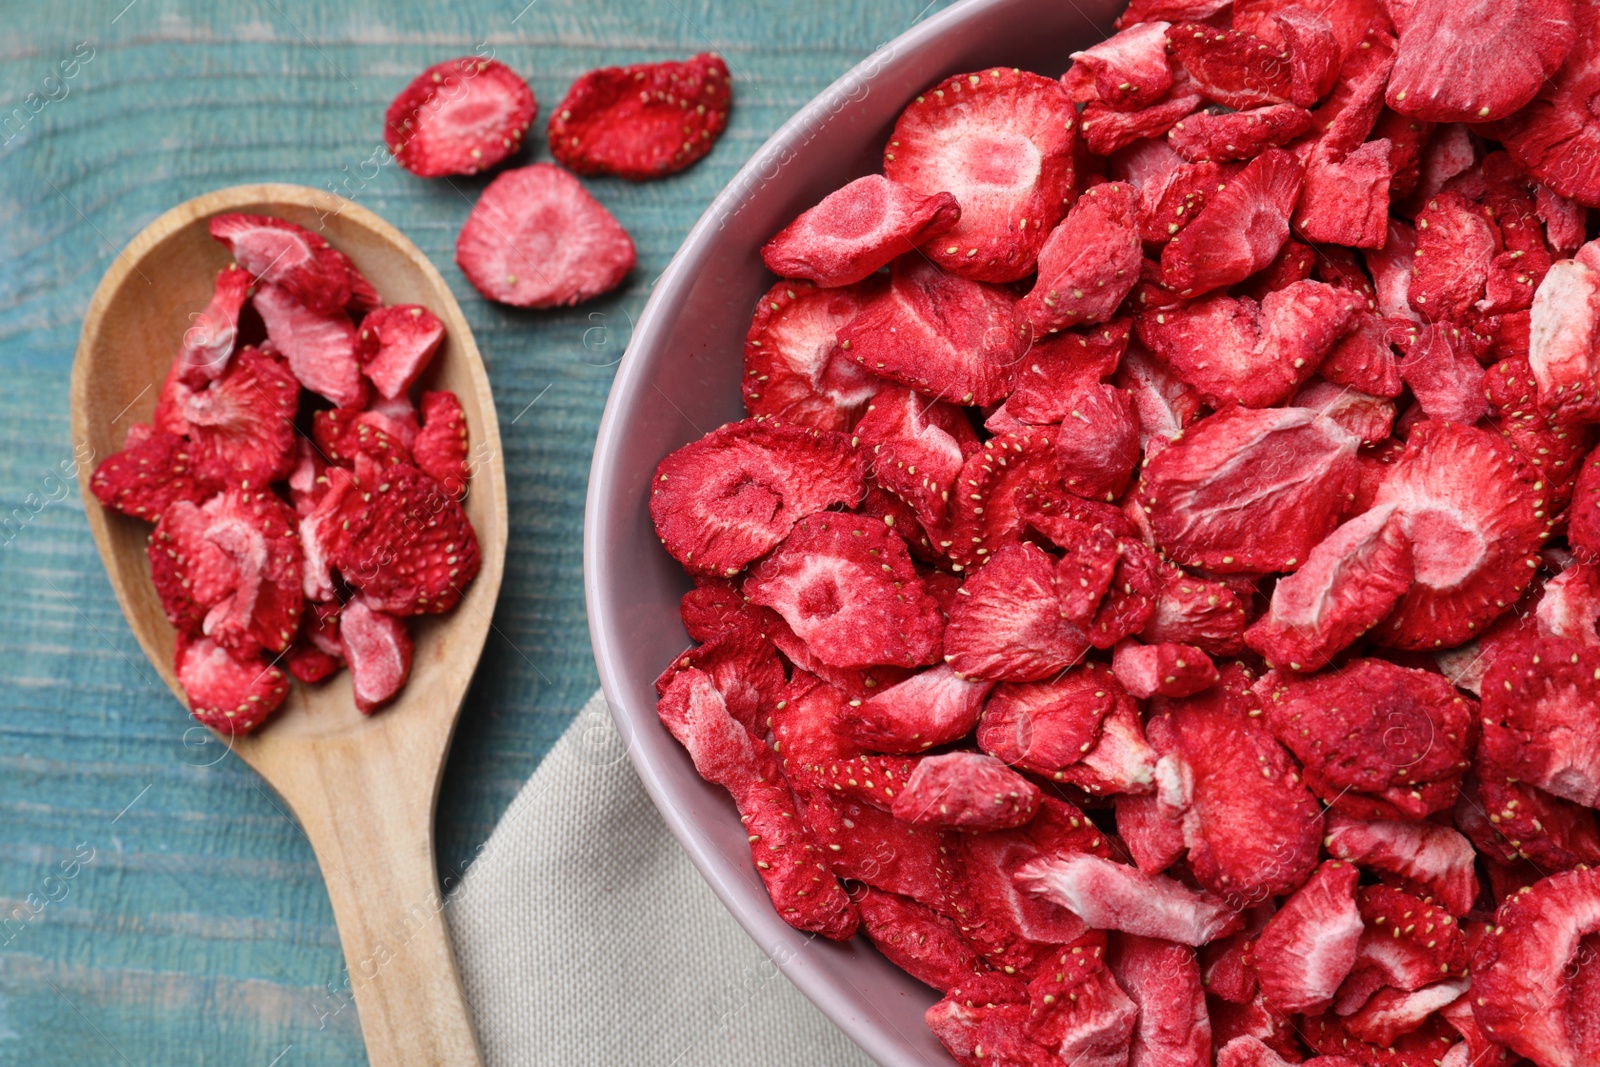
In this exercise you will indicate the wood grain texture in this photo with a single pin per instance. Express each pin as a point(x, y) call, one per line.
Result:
point(163, 906)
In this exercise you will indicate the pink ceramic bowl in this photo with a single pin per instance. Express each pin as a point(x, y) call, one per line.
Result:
point(680, 379)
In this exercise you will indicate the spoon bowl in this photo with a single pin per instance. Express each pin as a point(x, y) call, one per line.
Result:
point(362, 787)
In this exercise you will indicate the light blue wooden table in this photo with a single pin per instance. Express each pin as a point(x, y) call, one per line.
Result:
point(156, 906)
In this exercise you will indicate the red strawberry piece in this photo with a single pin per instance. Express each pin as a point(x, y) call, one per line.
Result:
point(209, 342)
point(745, 669)
point(1169, 10)
point(1309, 946)
point(1154, 841)
point(1239, 231)
point(1513, 821)
point(1449, 162)
point(228, 696)
point(1097, 445)
point(987, 1035)
point(1541, 712)
point(1233, 349)
point(1093, 1025)
point(320, 346)
point(998, 492)
point(1219, 135)
point(868, 845)
point(461, 116)
point(1346, 201)
point(1455, 244)
point(408, 545)
point(1251, 826)
point(932, 707)
point(378, 648)
point(396, 416)
point(1045, 726)
point(857, 229)
point(1407, 138)
point(1474, 526)
point(807, 724)
point(1171, 192)
point(1165, 402)
point(191, 573)
point(1476, 65)
point(858, 684)
point(643, 121)
point(1129, 70)
point(1391, 268)
point(1348, 19)
point(1088, 564)
point(731, 496)
point(792, 369)
point(324, 536)
point(536, 238)
point(1057, 363)
point(257, 531)
point(342, 434)
point(1234, 69)
point(966, 791)
point(1426, 1046)
point(1006, 625)
point(1249, 1051)
point(320, 626)
point(1352, 109)
point(309, 663)
point(1001, 141)
point(1477, 1049)
point(1432, 858)
point(1162, 670)
point(1195, 611)
point(1533, 985)
point(1191, 490)
point(1407, 943)
point(242, 425)
point(1570, 606)
point(440, 448)
point(879, 503)
point(1391, 1013)
point(1314, 53)
point(918, 940)
point(943, 335)
point(145, 479)
point(792, 867)
point(1564, 323)
point(1251, 1035)
point(395, 345)
point(847, 587)
point(1130, 599)
point(1555, 134)
point(1566, 224)
point(277, 252)
point(1370, 418)
point(918, 448)
point(1088, 263)
point(1348, 584)
point(1113, 896)
point(1122, 761)
point(1583, 521)
point(1293, 263)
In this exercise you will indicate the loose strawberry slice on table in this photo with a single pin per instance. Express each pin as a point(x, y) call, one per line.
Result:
point(932, 707)
point(966, 791)
point(461, 116)
point(918, 940)
point(847, 587)
point(1128, 70)
point(278, 252)
point(792, 371)
point(395, 346)
point(1435, 859)
point(1045, 726)
point(378, 648)
point(536, 238)
point(1162, 670)
point(857, 229)
point(917, 449)
point(1001, 141)
point(1235, 69)
point(240, 426)
point(1541, 713)
point(440, 448)
point(1239, 231)
point(1006, 625)
point(320, 346)
point(1309, 946)
point(643, 121)
point(731, 496)
point(229, 696)
point(1219, 135)
point(1114, 896)
point(209, 343)
point(146, 478)
point(1088, 263)
point(1476, 64)
point(1058, 362)
point(1563, 326)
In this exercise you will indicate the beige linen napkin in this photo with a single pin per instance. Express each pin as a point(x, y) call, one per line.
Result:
point(585, 936)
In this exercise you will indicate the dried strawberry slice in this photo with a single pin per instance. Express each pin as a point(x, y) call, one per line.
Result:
point(1114, 896)
point(1338, 1047)
point(395, 345)
point(1001, 141)
point(979, 1034)
point(229, 696)
point(868, 845)
point(1478, 64)
point(745, 669)
point(1195, 611)
point(209, 343)
point(1107, 131)
point(966, 791)
point(342, 434)
point(191, 573)
point(917, 448)
point(1097, 444)
point(1093, 1023)
point(857, 229)
point(731, 496)
point(320, 346)
point(536, 238)
point(1006, 625)
point(792, 370)
point(1541, 713)
point(1345, 200)
point(1555, 134)
point(1162, 670)
point(1088, 564)
point(1128, 70)
point(461, 116)
point(1370, 418)
point(1121, 762)
point(440, 448)
point(996, 494)
point(1088, 263)
point(1237, 70)
point(943, 335)
point(932, 707)
point(1455, 245)
point(1045, 726)
point(1061, 361)
point(806, 724)
point(1513, 821)
point(1219, 135)
point(1131, 598)
point(240, 426)
point(147, 477)
point(1570, 606)
point(1390, 1013)
point(1562, 326)
point(1407, 944)
point(918, 940)
point(847, 587)
point(258, 531)
point(1164, 401)
point(378, 648)
point(1309, 946)
point(1474, 526)
point(643, 121)
point(278, 252)
point(310, 664)
point(1239, 231)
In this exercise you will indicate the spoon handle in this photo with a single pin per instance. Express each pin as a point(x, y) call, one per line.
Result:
point(370, 823)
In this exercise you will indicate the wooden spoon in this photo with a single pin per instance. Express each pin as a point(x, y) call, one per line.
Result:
point(362, 787)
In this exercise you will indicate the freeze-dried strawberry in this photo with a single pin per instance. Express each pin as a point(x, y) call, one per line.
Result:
point(378, 648)
point(209, 342)
point(1128, 70)
point(1093, 1024)
point(1454, 246)
point(847, 587)
point(1477, 1050)
point(1476, 64)
point(1555, 135)
point(310, 664)
point(257, 531)
point(1195, 611)
point(1348, 19)
point(1131, 598)
point(342, 434)
point(805, 723)
point(1309, 946)
point(792, 370)
point(1564, 323)
point(1566, 224)
point(745, 669)
point(1449, 161)
point(440, 448)
point(536, 238)
point(1153, 840)
point(1352, 109)
point(1097, 444)
point(1314, 52)
point(323, 534)
point(731, 496)
point(932, 707)
point(240, 426)
point(1345, 201)
point(1088, 564)
point(395, 345)
point(1165, 402)
point(320, 346)
point(1583, 520)
point(943, 335)
point(1513, 821)
point(994, 490)
point(1293, 263)
point(1121, 762)
point(1114, 896)
point(879, 503)
point(987, 1035)
point(1426, 1046)
point(146, 478)
point(1534, 975)
point(1088, 263)
point(1234, 349)
point(1390, 1013)
point(1045, 726)
point(1056, 364)
point(858, 684)
point(1001, 141)
point(1391, 268)
point(917, 448)
point(279, 253)
point(1165, 670)
point(868, 845)
point(191, 573)
point(1541, 713)
point(1570, 606)
point(1474, 527)
point(1444, 377)
point(1221, 135)
point(1370, 418)
point(857, 229)
point(1250, 1030)
point(461, 116)
point(1006, 626)
point(967, 791)
point(229, 696)
point(1407, 944)
point(1407, 138)
point(1239, 231)
point(1247, 1051)
point(1426, 856)
point(918, 940)
point(1251, 826)
point(803, 890)
point(1296, 468)
point(1171, 192)
point(1106, 130)
point(1234, 69)
point(643, 121)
